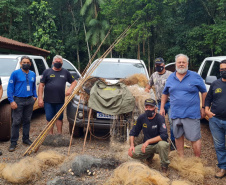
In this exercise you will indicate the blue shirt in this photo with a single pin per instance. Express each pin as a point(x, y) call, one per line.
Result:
point(18, 83)
point(184, 95)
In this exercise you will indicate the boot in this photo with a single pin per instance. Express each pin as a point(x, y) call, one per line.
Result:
point(220, 174)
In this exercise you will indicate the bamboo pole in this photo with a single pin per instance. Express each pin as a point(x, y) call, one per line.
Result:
point(35, 145)
point(87, 128)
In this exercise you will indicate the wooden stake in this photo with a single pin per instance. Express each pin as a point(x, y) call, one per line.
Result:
point(87, 128)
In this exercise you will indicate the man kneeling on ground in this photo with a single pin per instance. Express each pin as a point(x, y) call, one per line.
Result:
point(155, 136)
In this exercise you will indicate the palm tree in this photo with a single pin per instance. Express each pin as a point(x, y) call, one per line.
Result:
point(91, 9)
point(97, 31)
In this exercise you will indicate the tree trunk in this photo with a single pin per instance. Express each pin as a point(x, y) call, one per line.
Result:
point(87, 43)
point(138, 51)
point(78, 59)
point(149, 58)
point(143, 47)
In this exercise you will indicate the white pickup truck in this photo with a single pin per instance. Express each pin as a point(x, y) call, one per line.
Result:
point(9, 63)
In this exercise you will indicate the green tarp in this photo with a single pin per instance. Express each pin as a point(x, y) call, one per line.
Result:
point(111, 99)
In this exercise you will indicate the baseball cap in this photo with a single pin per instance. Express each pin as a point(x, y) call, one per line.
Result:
point(150, 102)
point(159, 60)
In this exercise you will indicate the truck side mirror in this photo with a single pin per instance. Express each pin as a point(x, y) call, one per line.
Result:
point(75, 75)
point(210, 79)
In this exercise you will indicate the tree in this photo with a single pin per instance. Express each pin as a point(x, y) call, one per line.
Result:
point(45, 32)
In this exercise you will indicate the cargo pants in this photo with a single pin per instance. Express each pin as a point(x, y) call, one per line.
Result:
point(161, 148)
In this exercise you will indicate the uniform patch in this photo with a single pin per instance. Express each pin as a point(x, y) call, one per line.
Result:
point(164, 125)
point(52, 75)
point(145, 125)
point(11, 81)
point(153, 127)
point(32, 79)
point(62, 76)
point(218, 90)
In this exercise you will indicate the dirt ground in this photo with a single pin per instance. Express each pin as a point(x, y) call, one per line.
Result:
point(97, 148)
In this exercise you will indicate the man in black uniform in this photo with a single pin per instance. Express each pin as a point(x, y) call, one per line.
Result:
point(1, 92)
point(54, 80)
point(216, 99)
point(155, 136)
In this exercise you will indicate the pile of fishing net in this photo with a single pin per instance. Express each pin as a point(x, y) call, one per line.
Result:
point(29, 168)
point(57, 140)
point(136, 173)
point(191, 168)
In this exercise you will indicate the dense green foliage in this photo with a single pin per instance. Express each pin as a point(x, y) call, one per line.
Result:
point(75, 28)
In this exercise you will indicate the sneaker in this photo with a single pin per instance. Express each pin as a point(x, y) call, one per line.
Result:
point(27, 142)
point(220, 174)
point(164, 171)
point(12, 147)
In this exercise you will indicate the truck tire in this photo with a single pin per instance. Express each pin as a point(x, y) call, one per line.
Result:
point(5, 122)
point(78, 131)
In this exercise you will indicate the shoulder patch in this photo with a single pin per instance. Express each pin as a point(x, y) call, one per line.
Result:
point(164, 125)
point(218, 90)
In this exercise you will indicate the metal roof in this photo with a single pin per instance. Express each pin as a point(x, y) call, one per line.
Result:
point(10, 44)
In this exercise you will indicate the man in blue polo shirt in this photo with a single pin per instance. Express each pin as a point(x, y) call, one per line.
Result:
point(22, 94)
point(184, 86)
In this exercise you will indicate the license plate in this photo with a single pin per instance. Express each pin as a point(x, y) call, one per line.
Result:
point(104, 116)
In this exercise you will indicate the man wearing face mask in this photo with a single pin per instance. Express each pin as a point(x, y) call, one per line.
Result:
point(155, 136)
point(216, 99)
point(22, 95)
point(158, 79)
point(54, 80)
point(183, 87)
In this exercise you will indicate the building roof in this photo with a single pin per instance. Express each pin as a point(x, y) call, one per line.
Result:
point(10, 44)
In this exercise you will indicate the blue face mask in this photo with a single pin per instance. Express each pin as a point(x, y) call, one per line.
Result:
point(150, 113)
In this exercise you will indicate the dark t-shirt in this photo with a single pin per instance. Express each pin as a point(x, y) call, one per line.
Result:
point(151, 127)
point(217, 97)
point(0, 81)
point(55, 82)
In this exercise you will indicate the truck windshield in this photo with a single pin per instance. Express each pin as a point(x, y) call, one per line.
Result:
point(7, 66)
point(113, 70)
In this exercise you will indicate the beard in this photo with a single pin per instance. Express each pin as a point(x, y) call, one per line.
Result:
point(182, 70)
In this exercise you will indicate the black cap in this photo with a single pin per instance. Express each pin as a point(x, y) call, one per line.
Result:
point(150, 102)
point(159, 61)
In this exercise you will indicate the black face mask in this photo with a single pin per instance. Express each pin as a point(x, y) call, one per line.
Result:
point(150, 113)
point(223, 74)
point(159, 68)
point(57, 65)
point(26, 67)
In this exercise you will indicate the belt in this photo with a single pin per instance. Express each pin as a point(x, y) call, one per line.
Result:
point(24, 97)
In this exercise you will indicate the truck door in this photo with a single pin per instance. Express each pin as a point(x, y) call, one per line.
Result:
point(40, 64)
